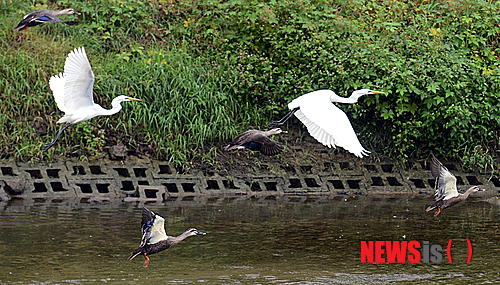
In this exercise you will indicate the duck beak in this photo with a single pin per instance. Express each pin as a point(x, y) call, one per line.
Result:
point(133, 99)
point(377, 92)
point(482, 189)
point(201, 233)
point(285, 132)
point(76, 13)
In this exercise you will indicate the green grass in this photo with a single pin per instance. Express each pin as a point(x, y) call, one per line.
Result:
point(184, 102)
point(185, 106)
point(207, 70)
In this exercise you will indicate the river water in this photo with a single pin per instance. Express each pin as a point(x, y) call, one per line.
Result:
point(302, 240)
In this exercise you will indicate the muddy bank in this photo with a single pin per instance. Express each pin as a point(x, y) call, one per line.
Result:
point(305, 169)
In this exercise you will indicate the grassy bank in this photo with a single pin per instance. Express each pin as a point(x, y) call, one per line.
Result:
point(438, 62)
point(184, 102)
point(208, 69)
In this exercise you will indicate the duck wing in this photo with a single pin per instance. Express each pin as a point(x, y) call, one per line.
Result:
point(446, 183)
point(255, 140)
point(29, 18)
point(152, 227)
point(267, 145)
point(242, 139)
point(41, 16)
point(38, 17)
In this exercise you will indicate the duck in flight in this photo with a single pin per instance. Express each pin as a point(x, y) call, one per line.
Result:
point(42, 16)
point(446, 193)
point(154, 237)
point(257, 141)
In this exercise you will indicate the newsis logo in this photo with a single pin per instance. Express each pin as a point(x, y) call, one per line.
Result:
point(402, 251)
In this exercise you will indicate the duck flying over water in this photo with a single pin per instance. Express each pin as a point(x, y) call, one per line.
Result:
point(154, 238)
point(257, 141)
point(446, 193)
point(326, 122)
point(41, 16)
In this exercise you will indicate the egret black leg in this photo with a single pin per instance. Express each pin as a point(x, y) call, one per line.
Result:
point(50, 144)
point(275, 124)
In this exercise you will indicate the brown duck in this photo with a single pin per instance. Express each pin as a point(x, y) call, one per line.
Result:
point(446, 193)
point(154, 238)
point(41, 16)
point(257, 141)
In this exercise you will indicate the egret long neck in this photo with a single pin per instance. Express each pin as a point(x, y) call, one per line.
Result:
point(336, 98)
point(116, 107)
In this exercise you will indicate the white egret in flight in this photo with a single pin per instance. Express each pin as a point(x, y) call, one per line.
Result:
point(326, 122)
point(41, 16)
point(73, 93)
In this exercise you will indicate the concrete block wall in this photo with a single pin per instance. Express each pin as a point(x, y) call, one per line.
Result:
point(157, 181)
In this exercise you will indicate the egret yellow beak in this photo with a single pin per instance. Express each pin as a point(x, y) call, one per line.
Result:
point(376, 92)
point(133, 99)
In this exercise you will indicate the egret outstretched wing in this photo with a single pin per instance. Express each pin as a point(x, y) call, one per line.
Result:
point(328, 124)
point(446, 183)
point(79, 81)
point(57, 83)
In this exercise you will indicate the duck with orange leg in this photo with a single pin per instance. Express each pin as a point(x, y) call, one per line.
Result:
point(154, 237)
point(446, 193)
point(42, 16)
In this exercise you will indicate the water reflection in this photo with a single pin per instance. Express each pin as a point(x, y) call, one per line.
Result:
point(315, 240)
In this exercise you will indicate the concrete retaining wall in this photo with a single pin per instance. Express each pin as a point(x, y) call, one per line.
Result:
point(147, 180)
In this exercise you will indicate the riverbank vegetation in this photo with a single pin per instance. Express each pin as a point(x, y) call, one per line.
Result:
point(208, 69)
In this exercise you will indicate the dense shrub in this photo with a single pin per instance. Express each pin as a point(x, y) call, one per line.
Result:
point(437, 62)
